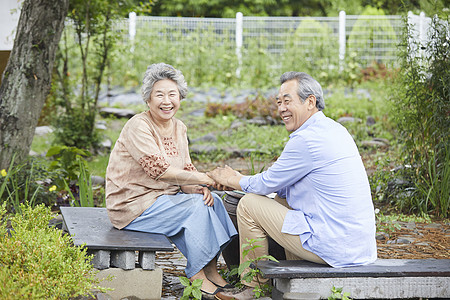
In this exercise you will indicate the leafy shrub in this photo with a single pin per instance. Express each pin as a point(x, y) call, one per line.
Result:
point(39, 262)
point(76, 129)
point(421, 108)
point(66, 161)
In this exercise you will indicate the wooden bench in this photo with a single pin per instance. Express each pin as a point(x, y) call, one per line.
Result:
point(384, 279)
point(116, 250)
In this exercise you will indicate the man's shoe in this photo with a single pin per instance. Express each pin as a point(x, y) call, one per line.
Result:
point(245, 294)
point(223, 296)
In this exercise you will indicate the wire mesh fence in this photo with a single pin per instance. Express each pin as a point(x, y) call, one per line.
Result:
point(226, 49)
point(371, 38)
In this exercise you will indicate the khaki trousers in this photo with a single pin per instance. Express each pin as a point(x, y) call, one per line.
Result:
point(259, 217)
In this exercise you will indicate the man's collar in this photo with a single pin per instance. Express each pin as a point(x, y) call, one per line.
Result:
point(316, 116)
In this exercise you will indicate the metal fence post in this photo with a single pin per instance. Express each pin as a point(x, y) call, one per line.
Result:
point(239, 20)
point(422, 29)
point(342, 41)
point(132, 28)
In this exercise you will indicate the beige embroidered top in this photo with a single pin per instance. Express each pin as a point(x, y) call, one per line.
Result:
point(139, 158)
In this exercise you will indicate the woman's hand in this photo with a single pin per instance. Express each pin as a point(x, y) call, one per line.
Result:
point(198, 189)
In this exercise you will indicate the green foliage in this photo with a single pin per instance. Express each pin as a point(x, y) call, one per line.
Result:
point(390, 223)
point(248, 270)
point(258, 63)
point(336, 293)
point(434, 184)
point(420, 109)
point(191, 290)
point(76, 129)
point(228, 9)
point(66, 160)
point(39, 262)
point(253, 169)
point(311, 47)
point(85, 191)
point(81, 62)
point(25, 183)
point(199, 63)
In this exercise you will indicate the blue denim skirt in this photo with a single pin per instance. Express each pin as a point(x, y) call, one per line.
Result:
point(200, 232)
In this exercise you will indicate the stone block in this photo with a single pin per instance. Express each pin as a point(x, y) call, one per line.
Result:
point(101, 258)
point(147, 260)
point(132, 284)
point(369, 287)
point(301, 296)
point(123, 259)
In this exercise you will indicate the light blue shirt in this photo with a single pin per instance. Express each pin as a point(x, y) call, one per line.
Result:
point(322, 177)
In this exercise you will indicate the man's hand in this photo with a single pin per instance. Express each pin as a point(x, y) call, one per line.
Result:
point(226, 177)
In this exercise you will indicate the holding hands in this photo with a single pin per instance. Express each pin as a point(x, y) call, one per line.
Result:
point(226, 178)
point(222, 179)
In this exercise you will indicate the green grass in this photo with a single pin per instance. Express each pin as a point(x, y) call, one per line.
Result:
point(97, 165)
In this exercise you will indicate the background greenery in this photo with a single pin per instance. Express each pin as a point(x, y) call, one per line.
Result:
point(415, 123)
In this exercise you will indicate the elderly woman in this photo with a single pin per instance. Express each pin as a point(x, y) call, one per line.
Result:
point(152, 185)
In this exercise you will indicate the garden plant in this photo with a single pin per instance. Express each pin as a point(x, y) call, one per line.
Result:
point(40, 262)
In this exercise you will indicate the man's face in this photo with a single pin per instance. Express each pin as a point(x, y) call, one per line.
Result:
point(291, 109)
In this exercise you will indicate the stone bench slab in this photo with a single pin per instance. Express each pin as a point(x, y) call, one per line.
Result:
point(380, 268)
point(91, 226)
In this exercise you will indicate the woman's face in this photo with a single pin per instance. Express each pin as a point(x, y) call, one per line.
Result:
point(164, 100)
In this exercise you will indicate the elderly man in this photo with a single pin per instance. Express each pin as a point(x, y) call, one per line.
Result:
point(323, 210)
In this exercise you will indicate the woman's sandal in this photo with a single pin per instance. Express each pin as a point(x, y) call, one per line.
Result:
point(226, 288)
point(216, 295)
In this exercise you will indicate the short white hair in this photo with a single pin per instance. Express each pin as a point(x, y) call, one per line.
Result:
point(161, 71)
point(306, 86)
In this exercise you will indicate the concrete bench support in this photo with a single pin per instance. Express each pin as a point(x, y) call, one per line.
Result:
point(384, 279)
point(116, 252)
point(101, 260)
point(123, 259)
point(147, 260)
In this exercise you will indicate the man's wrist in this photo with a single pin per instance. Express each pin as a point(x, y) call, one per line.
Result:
point(233, 181)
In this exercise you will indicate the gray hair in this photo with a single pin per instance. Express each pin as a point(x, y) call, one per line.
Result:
point(161, 71)
point(306, 86)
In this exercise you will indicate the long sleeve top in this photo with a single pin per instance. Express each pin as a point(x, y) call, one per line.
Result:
point(139, 158)
point(322, 177)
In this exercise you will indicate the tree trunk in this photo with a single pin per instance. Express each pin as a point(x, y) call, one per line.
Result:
point(27, 77)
